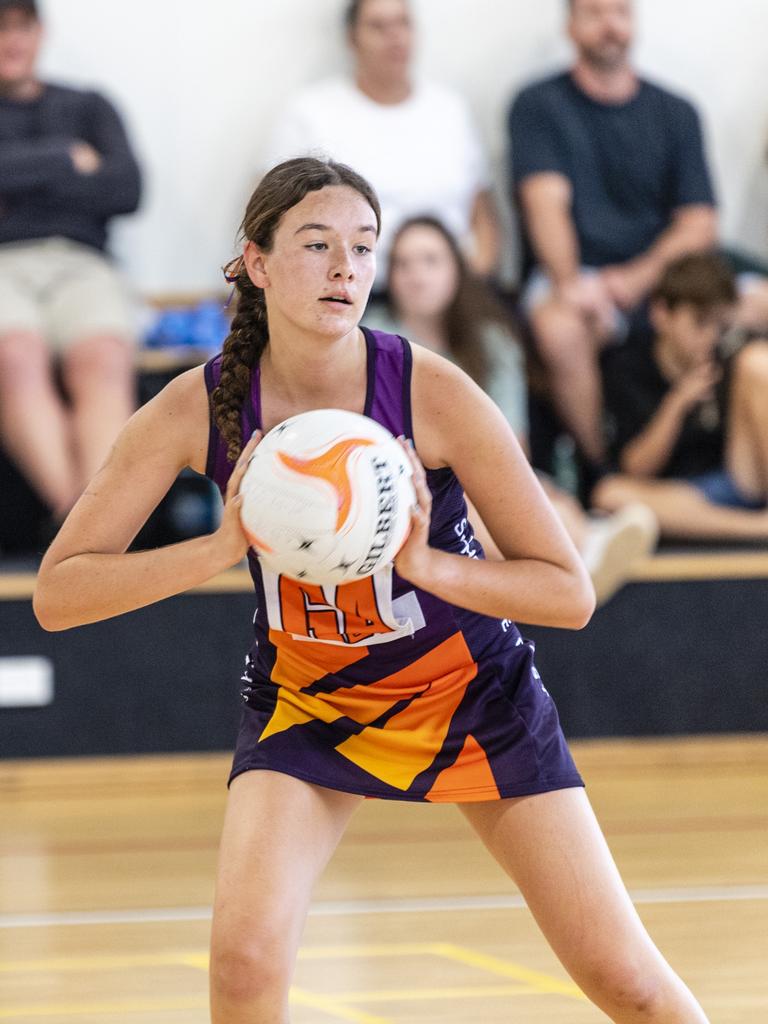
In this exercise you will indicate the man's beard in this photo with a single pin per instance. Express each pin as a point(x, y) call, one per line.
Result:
point(608, 57)
point(10, 87)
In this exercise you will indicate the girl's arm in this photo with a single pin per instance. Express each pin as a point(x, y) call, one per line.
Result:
point(541, 578)
point(647, 454)
point(86, 574)
point(651, 448)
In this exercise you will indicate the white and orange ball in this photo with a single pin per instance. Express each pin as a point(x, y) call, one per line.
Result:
point(327, 497)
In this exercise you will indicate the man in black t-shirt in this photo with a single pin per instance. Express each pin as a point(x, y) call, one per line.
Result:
point(66, 168)
point(690, 429)
point(612, 183)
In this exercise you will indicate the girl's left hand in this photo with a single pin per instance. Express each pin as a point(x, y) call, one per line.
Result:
point(413, 559)
point(230, 541)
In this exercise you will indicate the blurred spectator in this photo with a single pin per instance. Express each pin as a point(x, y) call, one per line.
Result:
point(65, 169)
point(436, 301)
point(691, 427)
point(612, 183)
point(415, 141)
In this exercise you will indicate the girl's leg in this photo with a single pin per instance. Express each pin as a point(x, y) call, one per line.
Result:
point(681, 509)
point(552, 847)
point(279, 833)
point(569, 511)
point(746, 455)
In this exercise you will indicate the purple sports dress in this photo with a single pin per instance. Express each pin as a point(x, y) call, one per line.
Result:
point(377, 687)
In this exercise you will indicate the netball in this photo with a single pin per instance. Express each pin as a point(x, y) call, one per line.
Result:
point(327, 497)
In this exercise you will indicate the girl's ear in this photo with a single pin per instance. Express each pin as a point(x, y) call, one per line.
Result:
point(253, 258)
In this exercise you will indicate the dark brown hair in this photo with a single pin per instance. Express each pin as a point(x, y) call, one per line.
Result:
point(28, 7)
point(352, 14)
point(279, 190)
point(703, 280)
point(570, 5)
point(472, 308)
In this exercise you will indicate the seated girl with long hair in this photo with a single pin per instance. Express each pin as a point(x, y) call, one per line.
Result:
point(436, 301)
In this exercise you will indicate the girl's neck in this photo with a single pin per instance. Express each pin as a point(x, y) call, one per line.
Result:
point(429, 331)
point(314, 373)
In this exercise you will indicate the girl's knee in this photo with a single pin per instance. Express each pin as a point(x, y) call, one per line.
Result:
point(251, 971)
point(629, 992)
point(252, 965)
point(751, 364)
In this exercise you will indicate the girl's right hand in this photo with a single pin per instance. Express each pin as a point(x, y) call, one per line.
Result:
point(697, 385)
point(230, 538)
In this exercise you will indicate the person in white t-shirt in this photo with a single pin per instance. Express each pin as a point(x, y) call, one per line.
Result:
point(415, 141)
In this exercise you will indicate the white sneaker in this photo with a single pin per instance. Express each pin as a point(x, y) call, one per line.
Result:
point(615, 544)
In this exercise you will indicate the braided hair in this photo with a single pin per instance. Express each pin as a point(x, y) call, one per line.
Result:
point(281, 189)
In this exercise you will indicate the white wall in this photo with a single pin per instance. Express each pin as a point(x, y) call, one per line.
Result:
point(200, 82)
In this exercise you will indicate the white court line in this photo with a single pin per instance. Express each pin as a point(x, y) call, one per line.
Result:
point(341, 908)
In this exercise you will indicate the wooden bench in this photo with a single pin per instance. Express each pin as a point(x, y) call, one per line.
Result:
point(660, 568)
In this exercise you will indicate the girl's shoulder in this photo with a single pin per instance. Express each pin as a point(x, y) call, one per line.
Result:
point(176, 418)
point(441, 392)
point(187, 391)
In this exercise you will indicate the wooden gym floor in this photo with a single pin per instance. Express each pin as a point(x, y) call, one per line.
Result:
point(106, 871)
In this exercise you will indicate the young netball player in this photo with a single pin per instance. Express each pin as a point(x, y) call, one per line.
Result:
point(414, 685)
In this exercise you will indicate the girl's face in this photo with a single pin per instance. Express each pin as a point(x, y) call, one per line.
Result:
point(692, 333)
point(319, 272)
point(423, 275)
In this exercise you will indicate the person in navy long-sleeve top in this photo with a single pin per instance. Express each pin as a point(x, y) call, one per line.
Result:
point(66, 169)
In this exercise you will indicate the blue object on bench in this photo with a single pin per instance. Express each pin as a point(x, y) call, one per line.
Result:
point(204, 326)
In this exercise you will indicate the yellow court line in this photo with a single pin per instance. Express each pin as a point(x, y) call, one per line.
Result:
point(541, 982)
point(353, 952)
point(413, 995)
point(201, 961)
point(327, 1004)
point(88, 1009)
point(334, 1005)
point(99, 963)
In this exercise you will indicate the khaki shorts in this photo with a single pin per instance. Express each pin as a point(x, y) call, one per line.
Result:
point(63, 290)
